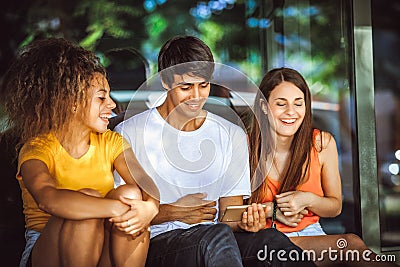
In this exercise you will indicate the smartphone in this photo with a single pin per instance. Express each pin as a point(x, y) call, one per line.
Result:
point(234, 213)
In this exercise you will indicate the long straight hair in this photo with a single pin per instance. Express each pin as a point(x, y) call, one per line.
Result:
point(262, 143)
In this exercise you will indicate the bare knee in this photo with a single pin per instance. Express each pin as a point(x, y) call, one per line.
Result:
point(90, 192)
point(127, 191)
point(354, 241)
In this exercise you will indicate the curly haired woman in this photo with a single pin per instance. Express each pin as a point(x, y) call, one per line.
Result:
point(57, 100)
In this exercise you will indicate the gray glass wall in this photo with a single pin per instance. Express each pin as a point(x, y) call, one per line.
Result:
point(386, 43)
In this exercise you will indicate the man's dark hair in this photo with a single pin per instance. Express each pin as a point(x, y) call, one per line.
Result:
point(190, 50)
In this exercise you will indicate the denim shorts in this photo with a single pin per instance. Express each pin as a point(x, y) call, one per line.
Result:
point(30, 237)
point(311, 230)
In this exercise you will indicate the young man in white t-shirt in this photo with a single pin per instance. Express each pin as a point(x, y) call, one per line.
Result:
point(200, 164)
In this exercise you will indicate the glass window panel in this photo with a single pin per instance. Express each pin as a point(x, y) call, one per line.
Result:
point(312, 37)
point(254, 36)
point(386, 40)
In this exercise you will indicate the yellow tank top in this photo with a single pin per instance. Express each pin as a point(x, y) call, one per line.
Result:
point(93, 170)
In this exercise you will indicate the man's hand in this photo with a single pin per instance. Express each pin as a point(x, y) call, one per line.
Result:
point(253, 220)
point(189, 209)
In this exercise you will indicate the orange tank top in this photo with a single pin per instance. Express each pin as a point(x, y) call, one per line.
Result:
point(313, 184)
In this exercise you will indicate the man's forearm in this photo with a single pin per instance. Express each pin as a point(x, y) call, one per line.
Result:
point(164, 215)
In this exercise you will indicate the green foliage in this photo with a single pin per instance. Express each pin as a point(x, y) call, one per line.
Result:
point(100, 25)
point(155, 25)
point(212, 33)
point(95, 32)
point(105, 17)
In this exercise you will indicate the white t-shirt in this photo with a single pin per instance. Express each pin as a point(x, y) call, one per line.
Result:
point(212, 159)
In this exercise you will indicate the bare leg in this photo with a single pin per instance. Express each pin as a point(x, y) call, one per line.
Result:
point(125, 250)
point(128, 251)
point(338, 250)
point(69, 242)
point(105, 259)
point(87, 251)
point(46, 249)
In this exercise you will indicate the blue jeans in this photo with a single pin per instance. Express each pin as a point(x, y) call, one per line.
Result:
point(216, 245)
point(270, 247)
point(30, 237)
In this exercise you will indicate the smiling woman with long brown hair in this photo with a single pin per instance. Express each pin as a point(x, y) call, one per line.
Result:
point(294, 167)
point(300, 163)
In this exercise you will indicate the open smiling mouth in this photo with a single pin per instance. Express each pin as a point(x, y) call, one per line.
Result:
point(193, 106)
point(105, 117)
point(288, 121)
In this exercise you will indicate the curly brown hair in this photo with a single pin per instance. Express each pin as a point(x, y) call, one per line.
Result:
point(46, 80)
